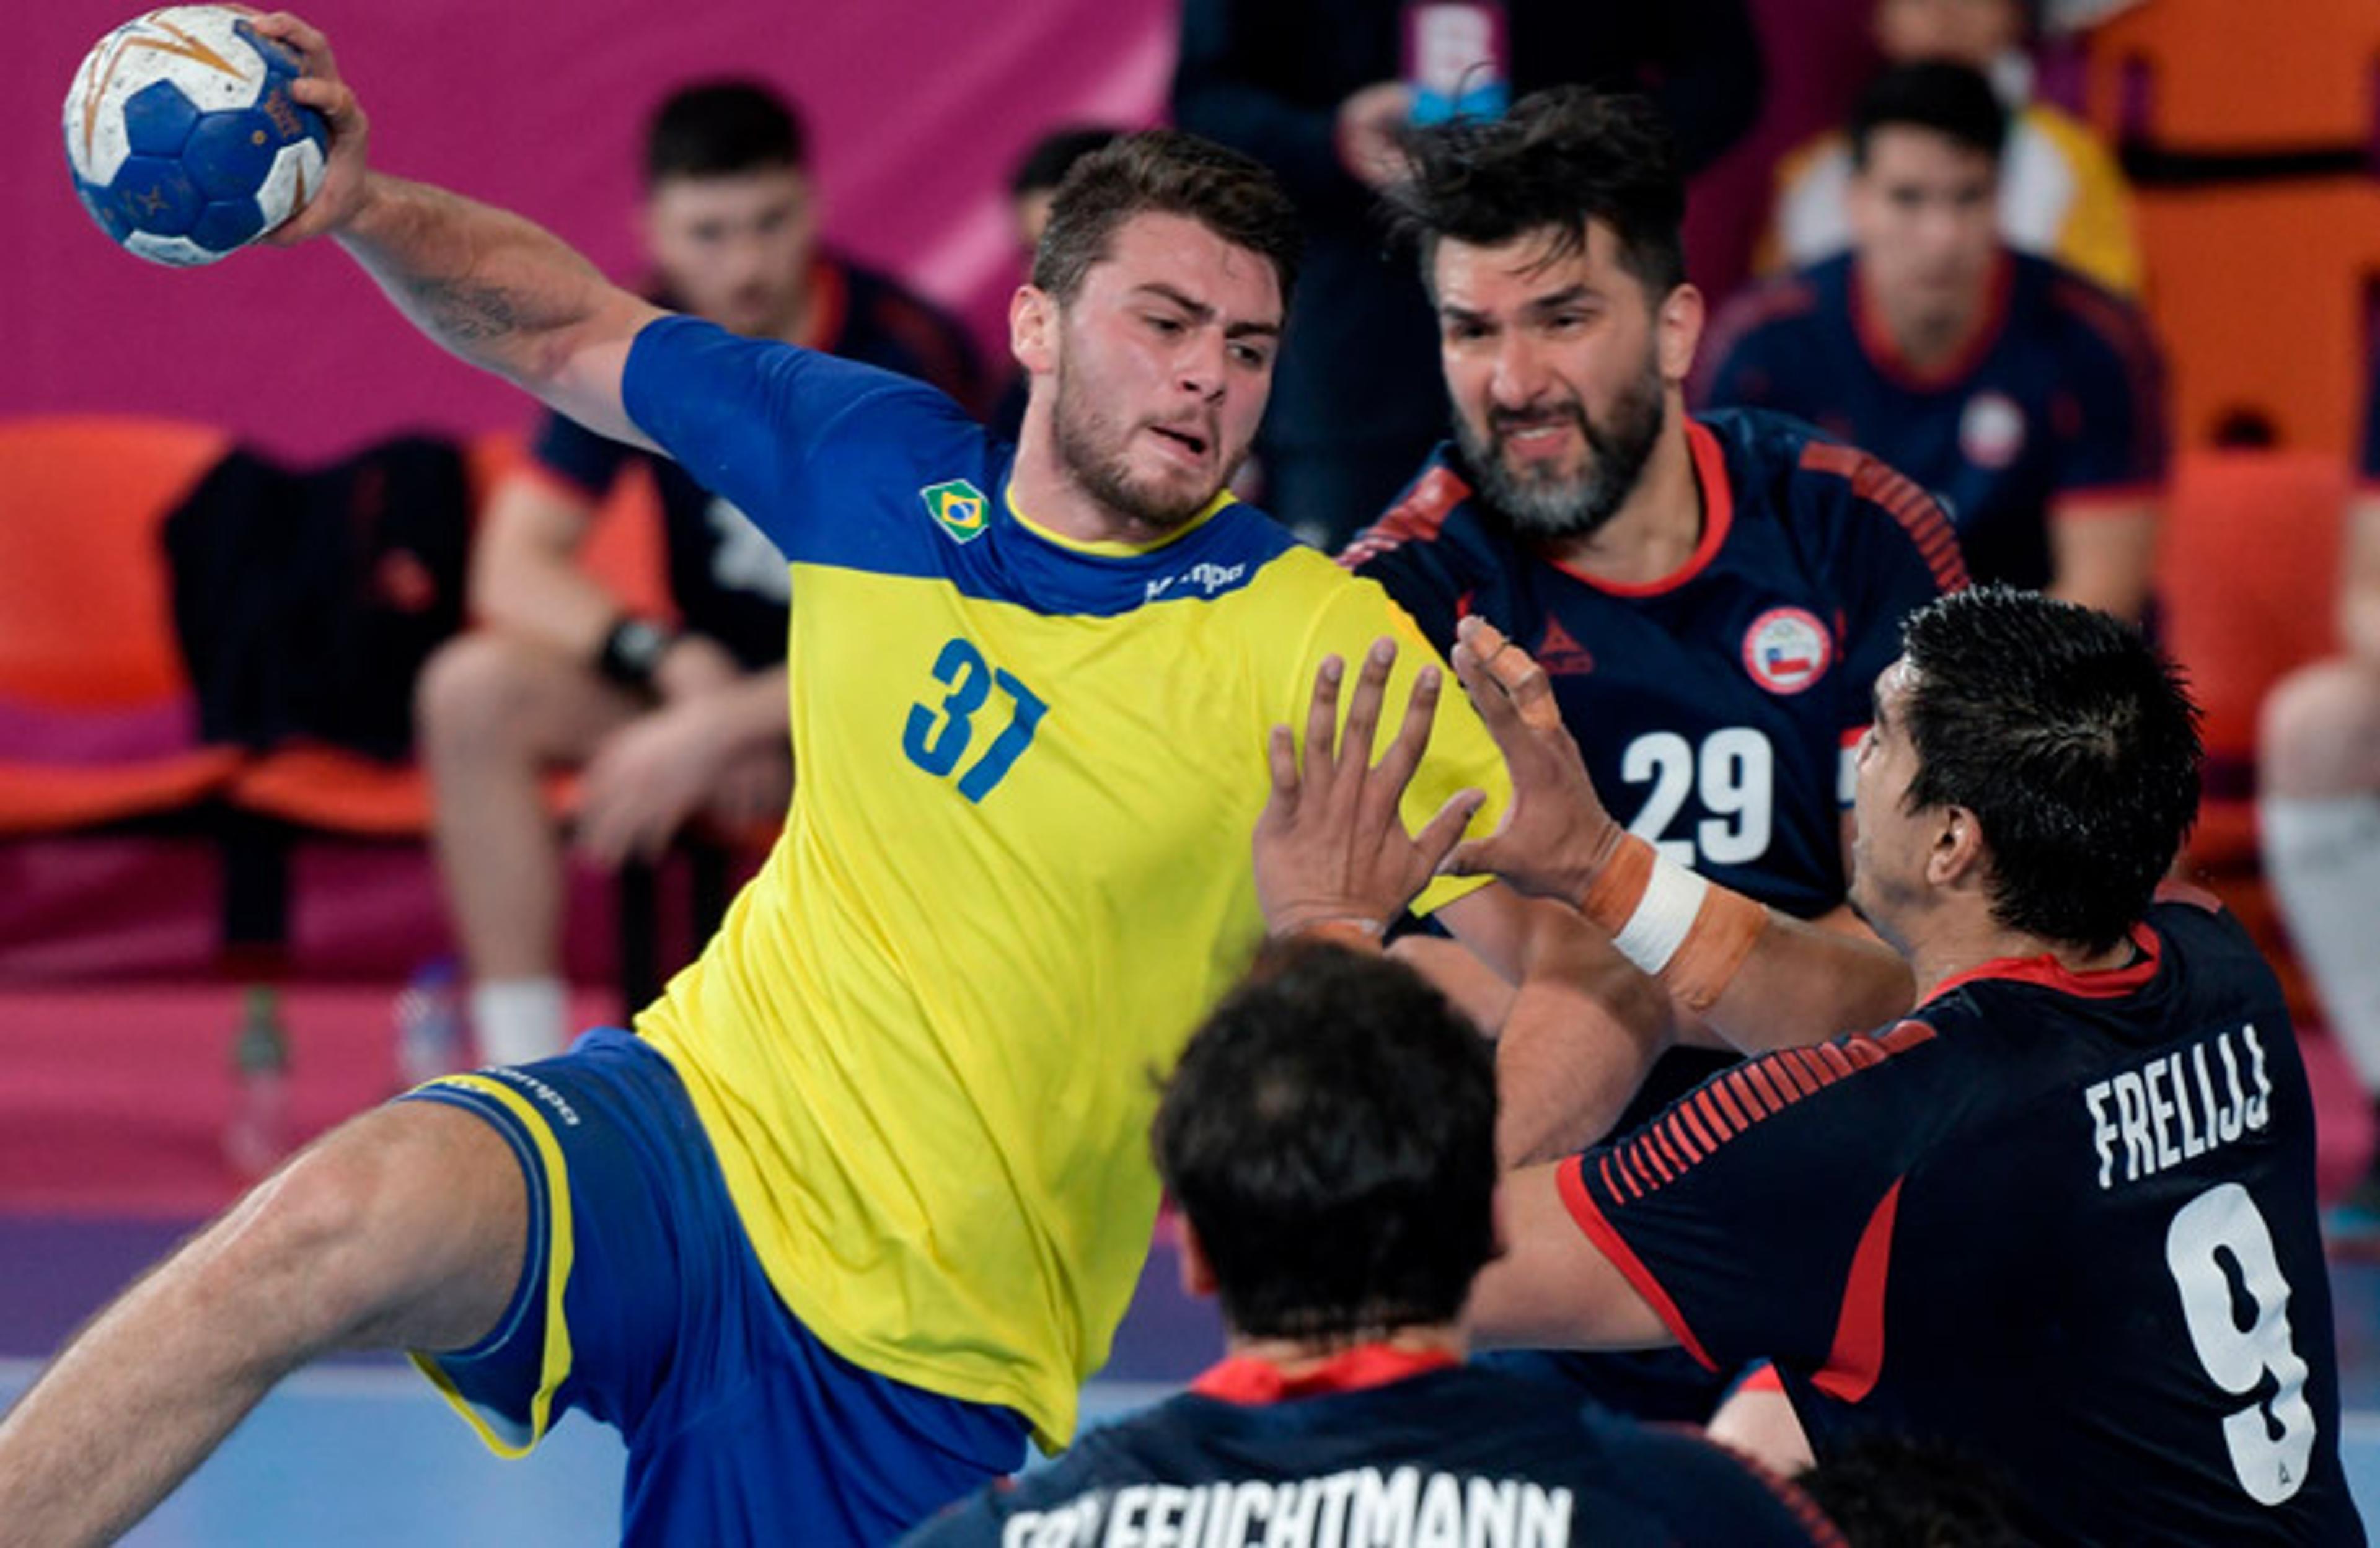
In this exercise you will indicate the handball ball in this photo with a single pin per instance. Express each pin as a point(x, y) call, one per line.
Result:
point(183, 138)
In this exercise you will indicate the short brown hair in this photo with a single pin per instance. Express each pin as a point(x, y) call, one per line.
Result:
point(1169, 172)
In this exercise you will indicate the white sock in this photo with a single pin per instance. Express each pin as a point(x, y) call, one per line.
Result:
point(520, 1020)
point(2323, 858)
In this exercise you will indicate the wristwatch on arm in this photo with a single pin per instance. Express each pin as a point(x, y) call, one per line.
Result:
point(633, 649)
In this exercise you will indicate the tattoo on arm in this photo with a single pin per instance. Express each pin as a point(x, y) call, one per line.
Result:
point(465, 310)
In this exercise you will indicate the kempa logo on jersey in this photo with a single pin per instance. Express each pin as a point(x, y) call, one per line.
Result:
point(1208, 578)
point(958, 508)
point(1787, 649)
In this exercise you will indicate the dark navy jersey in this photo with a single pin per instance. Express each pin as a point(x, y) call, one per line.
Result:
point(2371, 467)
point(1715, 707)
point(2057, 407)
point(1451, 1455)
point(727, 578)
point(2065, 1221)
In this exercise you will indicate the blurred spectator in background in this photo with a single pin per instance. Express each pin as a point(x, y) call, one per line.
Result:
point(2319, 812)
point(667, 720)
point(1312, 88)
point(2061, 194)
point(1031, 188)
point(2026, 399)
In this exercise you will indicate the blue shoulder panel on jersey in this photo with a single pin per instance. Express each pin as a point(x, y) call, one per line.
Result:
point(851, 467)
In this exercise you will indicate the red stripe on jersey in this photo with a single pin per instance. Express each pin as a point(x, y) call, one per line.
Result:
point(1727, 1112)
point(1905, 1036)
point(1787, 1064)
point(1645, 1152)
point(1764, 1378)
point(1639, 1176)
point(1903, 500)
point(1739, 1089)
point(2183, 892)
point(1706, 1135)
point(1571, 1181)
point(1417, 517)
point(2051, 974)
point(1857, 1358)
point(1883, 352)
point(1719, 515)
point(1700, 1126)
point(1771, 1086)
point(1252, 1381)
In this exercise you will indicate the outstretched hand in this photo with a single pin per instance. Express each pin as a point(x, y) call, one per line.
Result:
point(342, 192)
point(1558, 833)
point(1330, 847)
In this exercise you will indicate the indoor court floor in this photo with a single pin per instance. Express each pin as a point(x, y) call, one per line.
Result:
point(111, 1108)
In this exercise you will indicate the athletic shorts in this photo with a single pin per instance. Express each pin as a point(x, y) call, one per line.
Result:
point(642, 1304)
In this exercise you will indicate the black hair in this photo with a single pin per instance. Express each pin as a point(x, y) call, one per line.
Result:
point(1165, 171)
point(1888, 1491)
point(1049, 158)
point(2072, 740)
point(1561, 158)
point(1953, 101)
point(1330, 1133)
point(716, 128)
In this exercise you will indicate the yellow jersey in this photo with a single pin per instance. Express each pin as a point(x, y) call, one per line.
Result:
point(926, 1042)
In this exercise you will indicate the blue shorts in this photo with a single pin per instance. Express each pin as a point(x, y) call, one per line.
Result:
point(642, 1304)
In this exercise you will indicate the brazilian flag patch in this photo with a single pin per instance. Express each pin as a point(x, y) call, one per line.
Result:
point(959, 508)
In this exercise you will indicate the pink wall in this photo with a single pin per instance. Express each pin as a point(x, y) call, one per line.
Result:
point(917, 109)
point(538, 109)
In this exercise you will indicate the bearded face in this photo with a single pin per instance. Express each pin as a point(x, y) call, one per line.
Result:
point(1565, 496)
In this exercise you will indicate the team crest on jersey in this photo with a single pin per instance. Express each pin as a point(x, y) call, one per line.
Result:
point(959, 508)
point(1787, 649)
point(1991, 430)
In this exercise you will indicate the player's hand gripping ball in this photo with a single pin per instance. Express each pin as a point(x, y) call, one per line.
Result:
point(184, 143)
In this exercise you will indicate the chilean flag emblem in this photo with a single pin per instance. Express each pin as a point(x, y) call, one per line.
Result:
point(1787, 649)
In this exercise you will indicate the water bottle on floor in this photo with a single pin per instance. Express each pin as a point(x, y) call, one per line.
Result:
point(430, 1023)
point(258, 1134)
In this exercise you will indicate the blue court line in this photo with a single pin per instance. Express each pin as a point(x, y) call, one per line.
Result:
point(359, 1456)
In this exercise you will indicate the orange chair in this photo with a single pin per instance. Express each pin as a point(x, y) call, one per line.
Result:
point(331, 790)
point(2251, 131)
point(2215, 75)
point(2258, 295)
point(86, 628)
point(312, 788)
point(2247, 580)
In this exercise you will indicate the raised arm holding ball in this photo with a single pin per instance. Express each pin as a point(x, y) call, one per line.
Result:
point(861, 1202)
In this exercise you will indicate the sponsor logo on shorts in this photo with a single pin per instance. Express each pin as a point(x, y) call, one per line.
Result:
point(538, 1092)
point(1787, 649)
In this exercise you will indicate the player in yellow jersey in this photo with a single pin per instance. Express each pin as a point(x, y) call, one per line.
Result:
point(861, 1202)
